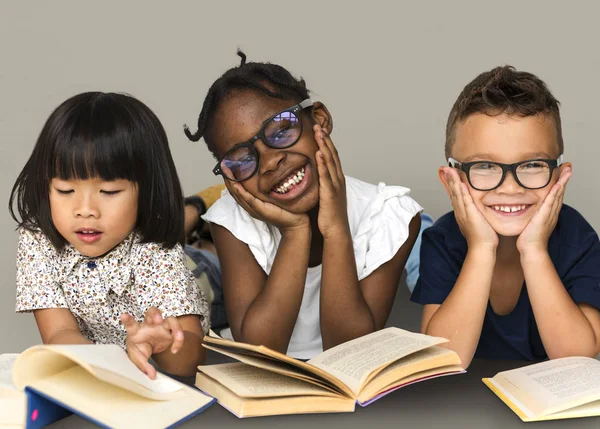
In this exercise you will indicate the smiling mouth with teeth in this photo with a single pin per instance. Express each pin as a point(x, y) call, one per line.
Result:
point(510, 209)
point(289, 182)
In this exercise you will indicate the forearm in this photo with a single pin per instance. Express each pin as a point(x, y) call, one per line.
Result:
point(271, 317)
point(344, 313)
point(185, 362)
point(564, 329)
point(460, 317)
point(67, 336)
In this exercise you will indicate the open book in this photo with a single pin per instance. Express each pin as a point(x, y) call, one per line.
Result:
point(557, 389)
point(97, 382)
point(266, 382)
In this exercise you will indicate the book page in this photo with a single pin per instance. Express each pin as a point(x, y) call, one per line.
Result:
point(12, 401)
point(353, 362)
point(254, 407)
point(7, 361)
point(280, 368)
point(251, 382)
point(107, 362)
point(261, 352)
point(117, 408)
point(432, 359)
point(555, 385)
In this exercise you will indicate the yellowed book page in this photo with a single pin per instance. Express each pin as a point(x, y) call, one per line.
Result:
point(222, 345)
point(109, 363)
point(280, 368)
point(432, 358)
point(553, 386)
point(369, 393)
point(247, 407)
point(418, 361)
point(251, 382)
point(586, 410)
point(115, 407)
point(508, 399)
point(353, 361)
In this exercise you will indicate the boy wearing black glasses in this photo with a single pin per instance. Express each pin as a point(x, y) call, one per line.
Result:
point(512, 272)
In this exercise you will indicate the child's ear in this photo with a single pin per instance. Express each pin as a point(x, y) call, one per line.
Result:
point(322, 117)
point(443, 179)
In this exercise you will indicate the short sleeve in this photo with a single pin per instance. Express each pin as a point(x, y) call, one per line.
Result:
point(440, 266)
point(163, 280)
point(582, 281)
point(383, 228)
point(413, 261)
point(37, 273)
point(262, 239)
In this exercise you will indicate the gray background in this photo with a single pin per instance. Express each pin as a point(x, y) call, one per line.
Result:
point(388, 71)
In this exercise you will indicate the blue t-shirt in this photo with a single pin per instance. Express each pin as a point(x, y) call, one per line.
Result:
point(574, 249)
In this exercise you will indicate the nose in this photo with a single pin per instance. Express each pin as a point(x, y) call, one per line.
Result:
point(270, 158)
point(510, 185)
point(86, 207)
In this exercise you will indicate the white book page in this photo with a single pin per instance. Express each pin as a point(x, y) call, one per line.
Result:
point(352, 362)
point(108, 362)
point(114, 359)
point(558, 384)
point(7, 361)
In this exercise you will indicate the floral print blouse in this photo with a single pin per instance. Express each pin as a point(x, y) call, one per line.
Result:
point(129, 279)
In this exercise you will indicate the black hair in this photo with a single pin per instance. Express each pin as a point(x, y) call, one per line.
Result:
point(270, 79)
point(108, 136)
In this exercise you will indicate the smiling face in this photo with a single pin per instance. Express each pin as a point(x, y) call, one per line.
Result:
point(507, 139)
point(285, 177)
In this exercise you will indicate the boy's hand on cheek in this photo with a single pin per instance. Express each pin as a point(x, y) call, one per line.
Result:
point(154, 335)
point(472, 223)
point(536, 234)
point(333, 215)
point(267, 212)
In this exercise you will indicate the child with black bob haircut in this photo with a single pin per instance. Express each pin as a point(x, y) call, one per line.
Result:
point(100, 256)
point(512, 272)
point(310, 258)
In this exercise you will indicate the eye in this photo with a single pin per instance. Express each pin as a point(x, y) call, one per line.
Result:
point(282, 133)
point(533, 165)
point(64, 191)
point(484, 166)
point(110, 192)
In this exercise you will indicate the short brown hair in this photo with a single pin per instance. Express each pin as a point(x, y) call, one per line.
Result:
point(504, 90)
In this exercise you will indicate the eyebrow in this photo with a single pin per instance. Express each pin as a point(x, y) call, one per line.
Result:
point(527, 156)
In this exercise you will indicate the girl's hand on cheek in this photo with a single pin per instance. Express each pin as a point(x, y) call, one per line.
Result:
point(267, 212)
point(154, 335)
point(536, 234)
point(333, 215)
point(472, 223)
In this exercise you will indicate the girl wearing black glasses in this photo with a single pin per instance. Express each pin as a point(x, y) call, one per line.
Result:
point(310, 258)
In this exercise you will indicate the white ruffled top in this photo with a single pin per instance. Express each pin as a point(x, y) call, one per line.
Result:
point(379, 216)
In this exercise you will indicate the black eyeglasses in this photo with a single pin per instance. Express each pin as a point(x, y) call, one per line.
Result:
point(487, 175)
point(280, 131)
